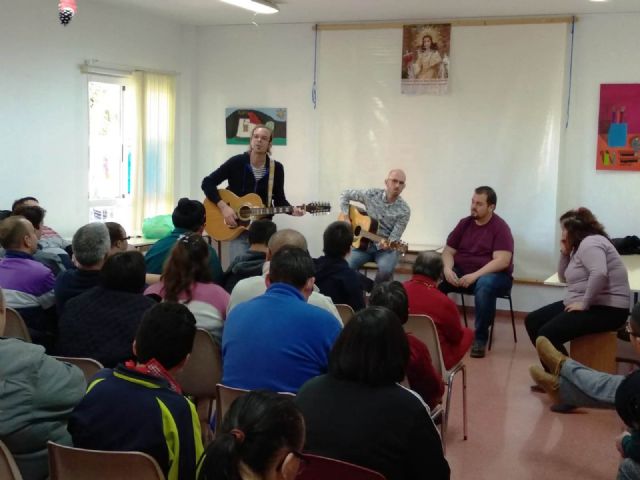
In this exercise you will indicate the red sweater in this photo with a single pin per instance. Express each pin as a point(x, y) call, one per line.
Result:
point(426, 299)
point(423, 378)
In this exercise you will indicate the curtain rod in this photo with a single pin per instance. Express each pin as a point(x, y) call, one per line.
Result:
point(117, 70)
point(456, 22)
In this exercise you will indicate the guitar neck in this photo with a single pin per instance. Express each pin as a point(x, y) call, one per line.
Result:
point(259, 211)
point(371, 236)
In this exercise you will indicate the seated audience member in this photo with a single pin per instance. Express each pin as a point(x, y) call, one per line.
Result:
point(628, 444)
point(421, 374)
point(118, 237)
point(28, 285)
point(387, 427)
point(50, 238)
point(277, 341)
point(139, 406)
point(101, 323)
point(188, 216)
point(56, 259)
point(261, 437)
point(426, 299)
point(570, 384)
point(334, 277)
point(91, 246)
point(37, 395)
point(187, 279)
point(250, 263)
point(597, 294)
point(254, 286)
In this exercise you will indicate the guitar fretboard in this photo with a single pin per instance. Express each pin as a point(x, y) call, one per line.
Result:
point(256, 211)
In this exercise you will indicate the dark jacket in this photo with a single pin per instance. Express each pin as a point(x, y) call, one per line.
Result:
point(336, 280)
point(244, 266)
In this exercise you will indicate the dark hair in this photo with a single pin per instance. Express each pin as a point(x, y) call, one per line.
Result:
point(264, 423)
point(187, 263)
point(166, 333)
point(429, 264)
point(188, 214)
point(17, 203)
point(492, 198)
point(628, 400)
point(393, 296)
point(372, 349)
point(91, 244)
point(434, 46)
point(337, 239)
point(124, 272)
point(116, 232)
point(261, 231)
point(34, 214)
point(291, 265)
point(12, 231)
point(579, 224)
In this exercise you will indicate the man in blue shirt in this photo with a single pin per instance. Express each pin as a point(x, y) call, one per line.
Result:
point(277, 341)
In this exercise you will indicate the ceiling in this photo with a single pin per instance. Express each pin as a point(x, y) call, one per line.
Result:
point(214, 12)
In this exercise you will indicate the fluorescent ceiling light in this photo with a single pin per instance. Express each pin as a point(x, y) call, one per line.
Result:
point(258, 6)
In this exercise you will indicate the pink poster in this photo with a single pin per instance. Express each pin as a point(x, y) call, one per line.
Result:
point(619, 127)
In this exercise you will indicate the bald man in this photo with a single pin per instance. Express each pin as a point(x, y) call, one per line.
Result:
point(386, 206)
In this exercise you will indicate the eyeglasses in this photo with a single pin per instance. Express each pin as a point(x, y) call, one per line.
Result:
point(629, 330)
point(304, 461)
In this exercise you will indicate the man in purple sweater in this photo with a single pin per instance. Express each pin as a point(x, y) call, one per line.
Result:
point(478, 260)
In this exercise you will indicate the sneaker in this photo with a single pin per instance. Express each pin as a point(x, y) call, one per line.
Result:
point(549, 355)
point(562, 408)
point(548, 382)
point(478, 350)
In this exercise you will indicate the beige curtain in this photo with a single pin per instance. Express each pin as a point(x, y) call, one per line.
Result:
point(153, 171)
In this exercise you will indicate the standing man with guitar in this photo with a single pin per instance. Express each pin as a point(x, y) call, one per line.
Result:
point(390, 212)
point(250, 172)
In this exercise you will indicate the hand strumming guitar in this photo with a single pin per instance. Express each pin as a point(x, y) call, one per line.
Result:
point(228, 213)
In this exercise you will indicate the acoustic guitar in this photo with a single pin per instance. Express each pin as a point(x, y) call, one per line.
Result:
point(364, 231)
point(247, 208)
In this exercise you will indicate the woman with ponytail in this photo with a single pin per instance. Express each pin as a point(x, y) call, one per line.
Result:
point(186, 278)
point(597, 295)
point(260, 439)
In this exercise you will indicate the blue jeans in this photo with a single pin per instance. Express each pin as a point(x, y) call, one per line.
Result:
point(485, 290)
point(584, 387)
point(386, 260)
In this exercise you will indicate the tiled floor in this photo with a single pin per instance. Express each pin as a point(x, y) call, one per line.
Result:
point(512, 433)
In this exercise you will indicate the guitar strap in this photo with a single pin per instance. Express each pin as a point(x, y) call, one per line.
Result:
point(270, 187)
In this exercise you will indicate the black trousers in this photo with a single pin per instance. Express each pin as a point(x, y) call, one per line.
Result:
point(560, 326)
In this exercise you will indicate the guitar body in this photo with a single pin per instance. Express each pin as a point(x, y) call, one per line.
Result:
point(360, 222)
point(217, 227)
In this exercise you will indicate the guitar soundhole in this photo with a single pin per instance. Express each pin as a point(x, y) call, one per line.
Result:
point(357, 230)
point(244, 213)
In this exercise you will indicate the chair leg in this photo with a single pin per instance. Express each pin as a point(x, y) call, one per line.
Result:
point(493, 321)
point(464, 310)
point(464, 401)
point(513, 321)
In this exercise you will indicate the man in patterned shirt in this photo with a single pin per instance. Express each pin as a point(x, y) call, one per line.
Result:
point(392, 214)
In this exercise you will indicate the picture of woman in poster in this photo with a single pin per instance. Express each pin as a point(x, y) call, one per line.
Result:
point(428, 62)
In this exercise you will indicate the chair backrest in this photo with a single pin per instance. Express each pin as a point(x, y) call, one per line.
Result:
point(89, 366)
point(15, 326)
point(3, 312)
point(422, 327)
point(8, 468)
point(203, 370)
point(69, 463)
point(345, 311)
point(323, 468)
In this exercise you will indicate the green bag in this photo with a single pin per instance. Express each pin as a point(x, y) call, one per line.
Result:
point(157, 227)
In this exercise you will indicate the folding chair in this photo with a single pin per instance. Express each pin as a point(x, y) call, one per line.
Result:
point(345, 311)
point(316, 467)
point(15, 326)
point(69, 463)
point(506, 296)
point(424, 329)
point(89, 366)
point(8, 468)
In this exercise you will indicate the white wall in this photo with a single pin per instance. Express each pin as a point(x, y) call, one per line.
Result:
point(43, 139)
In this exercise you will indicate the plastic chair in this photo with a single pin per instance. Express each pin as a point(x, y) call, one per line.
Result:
point(225, 396)
point(424, 329)
point(69, 463)
point(89, 366)
point(316, 467)
point(8, 468)
point(15, 326)
point(506, 296)
point(201, 374)
point(345, 311)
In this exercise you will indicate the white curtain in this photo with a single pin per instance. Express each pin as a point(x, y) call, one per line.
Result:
point(154, 171)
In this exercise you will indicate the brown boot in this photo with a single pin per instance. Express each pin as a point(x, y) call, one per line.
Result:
point(549, 355)
point(548, 382)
